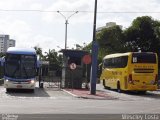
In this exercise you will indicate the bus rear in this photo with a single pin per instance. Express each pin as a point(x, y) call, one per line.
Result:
point(143, 72)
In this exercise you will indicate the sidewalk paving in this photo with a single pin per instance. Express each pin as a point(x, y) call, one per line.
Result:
point(85, 94)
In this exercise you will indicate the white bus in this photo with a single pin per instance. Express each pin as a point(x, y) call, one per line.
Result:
point(20, 68)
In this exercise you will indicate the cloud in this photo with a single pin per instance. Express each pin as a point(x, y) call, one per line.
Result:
point(17, 29)
point(14, 4)
point(46, 29)
point(48, 41)
point(70, 5)
point(120, 10)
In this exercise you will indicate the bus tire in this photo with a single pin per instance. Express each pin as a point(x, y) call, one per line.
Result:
point(119, 87)
point(8, 90)
point(104, 83)
point(142, 92)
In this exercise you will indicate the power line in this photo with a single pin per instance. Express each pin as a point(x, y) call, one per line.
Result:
point(101, 12)
point(119, 12)
point(3, 10)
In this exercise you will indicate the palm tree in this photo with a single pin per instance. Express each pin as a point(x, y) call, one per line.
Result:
point(55, 60)
point(38, 51)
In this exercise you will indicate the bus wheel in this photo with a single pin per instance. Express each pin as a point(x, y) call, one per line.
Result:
point(142, 92)
point(119, 87)
point(104, 85)
point(8, 90)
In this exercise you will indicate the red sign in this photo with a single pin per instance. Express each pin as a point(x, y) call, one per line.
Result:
point(86, 59)
point(72, 66)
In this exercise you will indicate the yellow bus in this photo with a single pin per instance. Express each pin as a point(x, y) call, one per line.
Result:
point(133, 71)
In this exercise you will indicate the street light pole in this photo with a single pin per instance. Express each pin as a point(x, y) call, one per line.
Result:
point(66, 23)
point(64, 69)
point(66, 34)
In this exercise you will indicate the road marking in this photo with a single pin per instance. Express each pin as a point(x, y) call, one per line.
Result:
point(70, 93)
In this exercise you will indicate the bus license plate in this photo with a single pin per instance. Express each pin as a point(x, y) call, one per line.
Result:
point(19, 86)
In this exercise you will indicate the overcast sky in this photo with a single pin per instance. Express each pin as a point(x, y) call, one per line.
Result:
point(47, 29)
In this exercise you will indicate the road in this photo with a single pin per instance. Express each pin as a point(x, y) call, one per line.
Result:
point(55, 101)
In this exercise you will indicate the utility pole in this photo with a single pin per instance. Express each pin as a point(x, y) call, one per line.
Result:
point(93, 78)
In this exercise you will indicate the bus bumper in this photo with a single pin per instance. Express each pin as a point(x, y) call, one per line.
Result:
point(20, 85)
point(143, 87)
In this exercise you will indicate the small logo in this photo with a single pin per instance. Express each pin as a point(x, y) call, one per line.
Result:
point(9, 117)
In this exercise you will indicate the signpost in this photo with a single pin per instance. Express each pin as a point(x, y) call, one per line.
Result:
point(86, 59)
point(72, 67)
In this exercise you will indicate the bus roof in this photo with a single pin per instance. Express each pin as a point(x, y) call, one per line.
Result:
point(116, 55)
point(27, 51)
point(123, 54)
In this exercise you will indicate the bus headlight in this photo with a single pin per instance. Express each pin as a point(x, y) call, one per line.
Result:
point(32, 81)
point(7, 80)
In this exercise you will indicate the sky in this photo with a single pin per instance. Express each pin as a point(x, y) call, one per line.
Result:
point(45, 27)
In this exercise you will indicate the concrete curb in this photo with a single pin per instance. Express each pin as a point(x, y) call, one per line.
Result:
point(90, 97)
point(94, 98)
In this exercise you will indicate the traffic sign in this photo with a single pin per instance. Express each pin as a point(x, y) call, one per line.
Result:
point(86, 59)
point(72, 66)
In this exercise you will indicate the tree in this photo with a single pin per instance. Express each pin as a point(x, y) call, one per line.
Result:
point(87, 47)
point(39, 51)
point(110, 40)
point(55, 60)
point(143, 34)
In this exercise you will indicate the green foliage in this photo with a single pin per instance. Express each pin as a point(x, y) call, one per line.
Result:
point(88, 47)
point(110, 40)
point(55, 59)
point(143, 34)
point(39, 51)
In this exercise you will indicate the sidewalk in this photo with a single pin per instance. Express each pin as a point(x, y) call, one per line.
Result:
point(85, 94)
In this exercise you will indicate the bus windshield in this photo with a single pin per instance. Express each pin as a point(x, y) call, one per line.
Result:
point(143, 58)
point(20, 66)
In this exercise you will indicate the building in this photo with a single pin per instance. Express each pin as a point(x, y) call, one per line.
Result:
point(5, 43)
point(109, 24)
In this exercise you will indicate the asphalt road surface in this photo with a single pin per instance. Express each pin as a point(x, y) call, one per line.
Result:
point(55, 101)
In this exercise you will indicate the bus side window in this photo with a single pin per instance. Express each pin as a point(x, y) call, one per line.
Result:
point(107, 63)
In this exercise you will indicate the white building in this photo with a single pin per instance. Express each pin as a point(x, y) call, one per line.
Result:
point(109, 24)
point(5, 43)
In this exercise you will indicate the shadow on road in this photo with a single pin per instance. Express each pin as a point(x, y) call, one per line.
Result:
point(39, 92)
point(148, 94)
